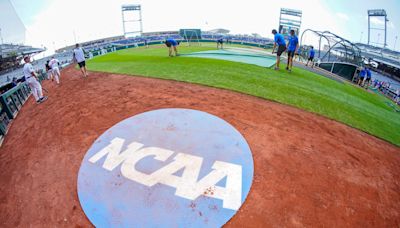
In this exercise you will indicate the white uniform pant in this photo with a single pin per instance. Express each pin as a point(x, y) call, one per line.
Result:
point(35, 87)
point(56, 74)
point(49, 74)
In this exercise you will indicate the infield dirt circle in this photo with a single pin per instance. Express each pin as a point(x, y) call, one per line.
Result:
point(309, 171)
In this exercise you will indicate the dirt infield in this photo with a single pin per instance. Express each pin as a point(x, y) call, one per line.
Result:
point(309, 170)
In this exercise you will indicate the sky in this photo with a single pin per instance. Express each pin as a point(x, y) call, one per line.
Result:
point(57, 23)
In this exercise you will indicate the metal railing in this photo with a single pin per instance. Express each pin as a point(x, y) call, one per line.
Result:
point(11, 103)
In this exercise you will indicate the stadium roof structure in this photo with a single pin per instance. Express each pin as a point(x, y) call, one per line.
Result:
point(348, 51)
point(382, 59)
point(9, 50)
point(91, 42)
point(219, 31)
point(382, 55)
point(384, 52)
point(11, 55)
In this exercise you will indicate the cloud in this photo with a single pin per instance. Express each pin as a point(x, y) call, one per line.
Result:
point(342, 16)
point(56, 23)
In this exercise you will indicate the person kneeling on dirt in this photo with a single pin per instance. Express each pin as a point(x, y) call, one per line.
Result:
point(172, 45)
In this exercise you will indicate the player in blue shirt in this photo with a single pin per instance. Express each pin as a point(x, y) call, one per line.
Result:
point(292, 46)
point(298, 54)
point(361, 77)
point(368, 78)
point(172, 43)
point(280, 42)
point(311, 57)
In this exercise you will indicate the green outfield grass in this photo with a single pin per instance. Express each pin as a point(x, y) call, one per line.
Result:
point(342, 102)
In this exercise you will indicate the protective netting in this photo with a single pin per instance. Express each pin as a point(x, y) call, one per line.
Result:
point(330, 47)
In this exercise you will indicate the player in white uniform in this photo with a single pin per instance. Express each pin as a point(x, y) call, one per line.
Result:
point(53, 64)
point(79, 56)
point(31, 80)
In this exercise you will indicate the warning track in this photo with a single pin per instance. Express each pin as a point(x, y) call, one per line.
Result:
point(309, 170)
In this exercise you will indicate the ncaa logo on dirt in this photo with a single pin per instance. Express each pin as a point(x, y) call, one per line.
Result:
point(166, 168)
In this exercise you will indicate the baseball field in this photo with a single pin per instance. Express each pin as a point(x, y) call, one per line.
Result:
point(326, 154)
point(305, 90)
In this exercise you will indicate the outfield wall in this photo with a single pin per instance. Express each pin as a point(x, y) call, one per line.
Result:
point(113, 48)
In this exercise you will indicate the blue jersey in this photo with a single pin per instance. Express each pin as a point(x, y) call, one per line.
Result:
point(363, 73)
point(312, 53)
point(368, 73)
point(172, 41)
point(293, 42)
point(279, 39)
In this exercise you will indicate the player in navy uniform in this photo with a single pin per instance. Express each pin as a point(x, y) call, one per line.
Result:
point(220, 42)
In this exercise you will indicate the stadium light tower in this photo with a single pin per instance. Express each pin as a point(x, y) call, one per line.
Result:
point(131, 18)
point(377, 13)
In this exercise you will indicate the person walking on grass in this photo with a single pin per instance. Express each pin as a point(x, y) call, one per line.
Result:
point(32, 81)
point(311, 57)
point(79, 57)
point(292, 47)
point(281, 44)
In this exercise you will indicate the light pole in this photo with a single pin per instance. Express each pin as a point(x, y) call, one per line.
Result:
point(377, 41)
point(1, 47)
point(42, 48)
point(1, 36)
point(395, 41)
point(74, 35)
